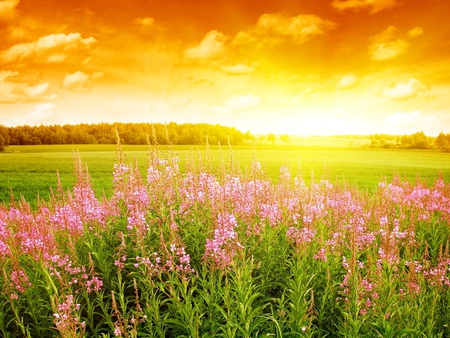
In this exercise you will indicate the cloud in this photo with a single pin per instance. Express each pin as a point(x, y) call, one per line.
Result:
point(5, 74)
point(415, 32)
point(80, 82)
point(375, 6)
point(54, 48)
point(410, 122)
point(97, 75)
point(41, 113)
point(211, 47)
point(242, 101)
point(431, 122)
point(239, 69)
point(12, 91)
point(181, 104)
point(17, 33)
point(36, 91)
point(387, 45)
point(347, 81)
point(235, 103)
point(411, 118)
point(144, 21)
point(405, 91)
point(7, 9)
point(192, 83)
point(273, 29)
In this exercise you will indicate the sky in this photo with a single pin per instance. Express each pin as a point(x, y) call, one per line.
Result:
point(303, 67)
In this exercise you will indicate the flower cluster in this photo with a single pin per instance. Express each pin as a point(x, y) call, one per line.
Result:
point(223, 247)
point(66, 317)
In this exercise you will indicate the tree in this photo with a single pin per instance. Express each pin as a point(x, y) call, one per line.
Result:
point(5, 134)
point(285, 138)
point(442, 140)
point(130, 133)
point(446, 146)
point(271, 138)
point(2, 143)
point(249, 138)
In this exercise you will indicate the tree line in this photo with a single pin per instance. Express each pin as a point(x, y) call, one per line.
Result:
point(443, 141)
point(416, 140)
point(185, 134)
point(130, 133)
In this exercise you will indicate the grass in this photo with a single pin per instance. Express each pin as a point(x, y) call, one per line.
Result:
point(31, 170)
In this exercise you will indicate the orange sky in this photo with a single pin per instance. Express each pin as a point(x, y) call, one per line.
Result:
point(298, 66)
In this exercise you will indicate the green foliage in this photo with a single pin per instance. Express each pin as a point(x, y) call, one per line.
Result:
point(443, 141)
point(271, 138)
point(2, 143)
point(285, 138)
point(130, 133)
point(417, 140)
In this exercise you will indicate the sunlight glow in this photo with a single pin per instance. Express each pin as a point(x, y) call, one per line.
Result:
point(319, 68)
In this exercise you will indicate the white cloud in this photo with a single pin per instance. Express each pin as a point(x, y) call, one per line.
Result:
point(411, 118)
point(42, 113)
point(432, 123)
point(239, 69)
point(347, 81)
point(211, 47)
point(12, 91)
point(388, 50)
point(415, 32)
point(38, 90)
point(192, 83)
point(374, 5)
point(308, 94)
point(17, 33)
point(7, 8)
point(242, 101)
point(404, 91)
point(387, 45)
point(273, 29)
point(4, 74)
point(144, 21)
point(235, 103)
point(54, 48)
point(181, 104)
point(80, 82)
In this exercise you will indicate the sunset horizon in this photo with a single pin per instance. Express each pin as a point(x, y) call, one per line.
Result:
point(324, 67)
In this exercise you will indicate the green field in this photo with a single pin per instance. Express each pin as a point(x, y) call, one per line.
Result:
point(31, 170)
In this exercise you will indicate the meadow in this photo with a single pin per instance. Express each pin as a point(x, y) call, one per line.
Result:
point(223, 243)
point(31, 170)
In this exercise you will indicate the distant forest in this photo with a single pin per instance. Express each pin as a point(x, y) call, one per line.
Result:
point(130, 133)
point(414, 141)
point(188, 134)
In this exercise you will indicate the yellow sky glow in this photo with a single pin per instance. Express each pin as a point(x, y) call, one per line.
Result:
point(312, 67)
